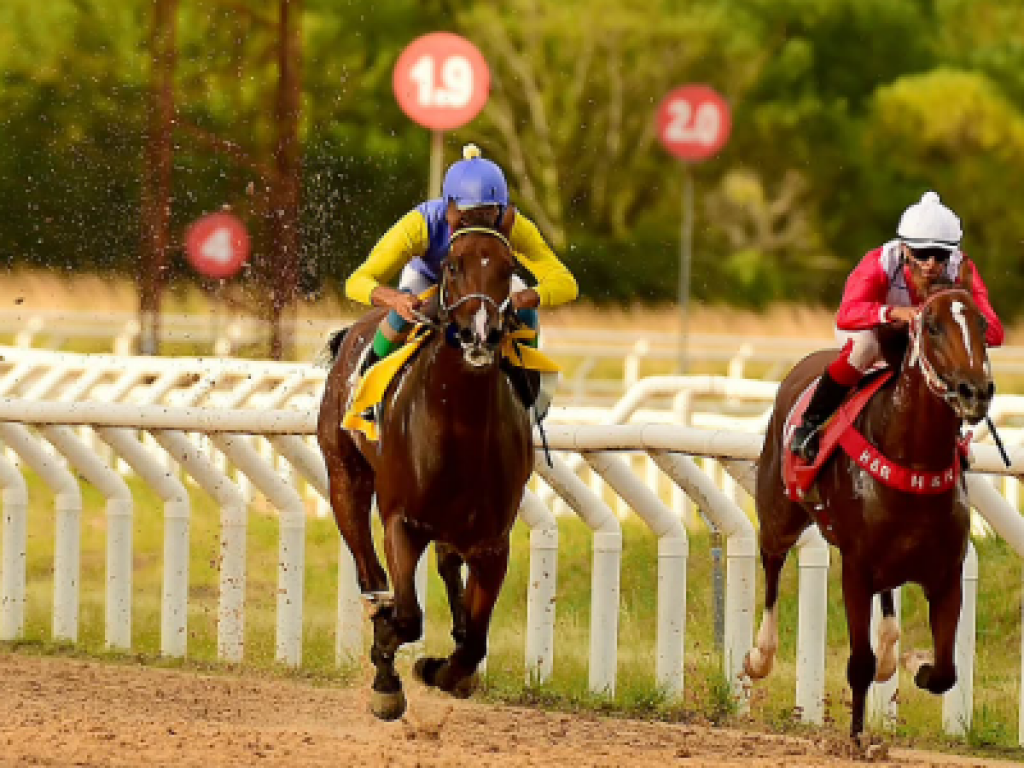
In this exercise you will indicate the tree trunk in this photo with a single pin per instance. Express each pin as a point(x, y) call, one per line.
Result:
point(285, 185)
point(156, 175)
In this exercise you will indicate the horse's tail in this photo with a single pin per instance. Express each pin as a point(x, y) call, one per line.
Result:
point(325, 357)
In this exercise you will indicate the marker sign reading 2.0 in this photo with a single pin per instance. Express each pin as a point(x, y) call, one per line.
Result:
point(441, 81)
point(693, 122)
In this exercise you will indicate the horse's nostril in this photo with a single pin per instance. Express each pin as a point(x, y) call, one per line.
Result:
point(990, 390)
point(466, 335)
point(966, 391)
point(493, 337)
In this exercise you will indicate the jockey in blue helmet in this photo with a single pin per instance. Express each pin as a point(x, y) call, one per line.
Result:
point(474, 182)
point(418, 243)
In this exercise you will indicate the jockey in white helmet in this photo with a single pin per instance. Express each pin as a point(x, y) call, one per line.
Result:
point(885, 289)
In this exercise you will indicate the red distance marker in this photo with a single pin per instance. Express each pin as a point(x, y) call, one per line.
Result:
point(441, 81)
point(694, 122)
point(217, 245)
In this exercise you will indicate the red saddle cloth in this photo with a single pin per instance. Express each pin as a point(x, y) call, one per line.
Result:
point(798, 476)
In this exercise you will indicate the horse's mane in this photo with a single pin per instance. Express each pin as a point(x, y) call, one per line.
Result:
point(896, 341)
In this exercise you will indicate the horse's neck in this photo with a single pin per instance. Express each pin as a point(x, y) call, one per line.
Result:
point(912, 425)
point(447, 381)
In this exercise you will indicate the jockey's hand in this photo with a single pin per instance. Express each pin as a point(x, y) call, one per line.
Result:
point(902, 316)
point(526, 299)
point(402, 302)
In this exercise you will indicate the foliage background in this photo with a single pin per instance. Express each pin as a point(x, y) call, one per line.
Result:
point(844, 112)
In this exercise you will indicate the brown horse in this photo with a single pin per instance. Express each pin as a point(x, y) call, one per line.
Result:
point(454, 454)
point(887, 537)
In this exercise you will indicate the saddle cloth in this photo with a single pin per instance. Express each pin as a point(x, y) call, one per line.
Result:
point(369, 391)
point(797, 475)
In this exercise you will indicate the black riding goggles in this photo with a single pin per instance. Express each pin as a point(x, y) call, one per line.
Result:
point(924, 255)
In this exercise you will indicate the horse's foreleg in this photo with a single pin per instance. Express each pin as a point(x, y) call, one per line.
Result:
point(393, 626)
point(860, 669)
point(939, 676)
point(888, 637)
point(759, 659)
point(457, 673)
point(351, 495)
point(449, 567)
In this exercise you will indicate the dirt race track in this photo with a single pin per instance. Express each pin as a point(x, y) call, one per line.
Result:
point(64, 712)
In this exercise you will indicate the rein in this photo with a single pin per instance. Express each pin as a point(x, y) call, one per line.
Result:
point(932, 380)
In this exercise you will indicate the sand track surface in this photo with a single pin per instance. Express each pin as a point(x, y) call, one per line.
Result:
point(66, 712)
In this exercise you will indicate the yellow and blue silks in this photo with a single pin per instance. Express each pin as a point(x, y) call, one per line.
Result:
point(371, 388)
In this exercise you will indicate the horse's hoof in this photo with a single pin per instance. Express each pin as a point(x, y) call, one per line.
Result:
point(756, 665)
point(375, 602)
point(876, 752)
point(884, 673)
point(387, 706)
point(913, 661)
point(887, 660)
point(426, 668)
point(466, 686)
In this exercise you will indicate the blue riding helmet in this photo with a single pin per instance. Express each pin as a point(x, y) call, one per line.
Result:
point(474, 181)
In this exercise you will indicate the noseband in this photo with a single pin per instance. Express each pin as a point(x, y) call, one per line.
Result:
point(446, 308)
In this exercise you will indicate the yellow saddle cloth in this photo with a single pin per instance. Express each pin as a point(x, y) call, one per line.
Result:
point(371, 388)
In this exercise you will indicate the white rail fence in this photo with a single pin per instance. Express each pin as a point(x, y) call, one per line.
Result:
point(49, 415)
point(623, 356)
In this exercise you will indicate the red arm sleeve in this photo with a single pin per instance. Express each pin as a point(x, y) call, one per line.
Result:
point(864, 295)
point(994, 333)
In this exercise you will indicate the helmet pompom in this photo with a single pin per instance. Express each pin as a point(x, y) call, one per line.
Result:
point(471, 152)
point(930, 224)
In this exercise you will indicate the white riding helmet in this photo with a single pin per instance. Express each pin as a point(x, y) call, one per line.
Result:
point(930, 224)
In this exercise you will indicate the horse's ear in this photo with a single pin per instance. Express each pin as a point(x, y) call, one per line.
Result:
point(452, 215)
point(507, 220)
point(967, 274)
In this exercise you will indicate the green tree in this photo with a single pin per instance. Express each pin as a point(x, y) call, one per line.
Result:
point(957, 133)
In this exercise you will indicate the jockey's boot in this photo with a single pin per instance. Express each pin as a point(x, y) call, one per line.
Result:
point(525, 382)
point(827, 397)
point(369, 360)
point(535, 389)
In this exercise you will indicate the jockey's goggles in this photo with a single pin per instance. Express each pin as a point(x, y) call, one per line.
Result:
point(924, 255)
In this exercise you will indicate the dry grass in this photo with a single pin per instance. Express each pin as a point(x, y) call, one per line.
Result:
point(42, 290)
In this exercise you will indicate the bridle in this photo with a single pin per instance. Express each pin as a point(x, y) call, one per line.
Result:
point(935, 383)
point(445, 308)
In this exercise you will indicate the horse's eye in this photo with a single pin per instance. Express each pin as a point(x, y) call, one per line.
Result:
point(932, 327)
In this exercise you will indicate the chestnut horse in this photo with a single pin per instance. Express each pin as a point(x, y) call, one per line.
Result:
point(454, 454)
point(887, 537)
